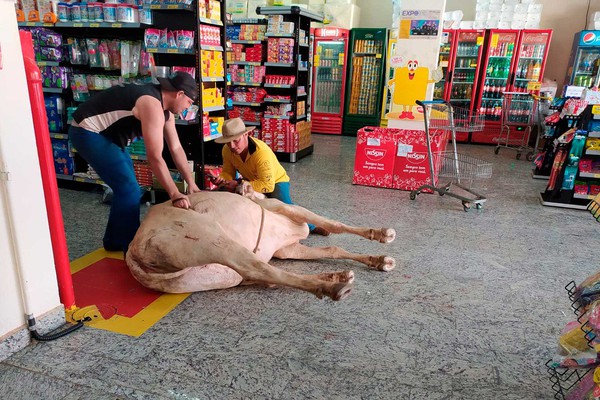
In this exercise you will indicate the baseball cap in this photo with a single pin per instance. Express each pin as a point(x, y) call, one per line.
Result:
point(180, 81)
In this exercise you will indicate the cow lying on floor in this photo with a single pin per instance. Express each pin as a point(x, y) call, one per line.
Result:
point(225, 240)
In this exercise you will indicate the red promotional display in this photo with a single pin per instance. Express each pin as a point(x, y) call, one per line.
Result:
point(375, 153)
point(411, 167)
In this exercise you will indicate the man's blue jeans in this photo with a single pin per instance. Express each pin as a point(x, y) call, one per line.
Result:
point(115, 167)
point(282, 193)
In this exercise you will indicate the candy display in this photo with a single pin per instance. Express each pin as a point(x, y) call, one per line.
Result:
point(212, 63)
point(246, 74)
point(280, 50)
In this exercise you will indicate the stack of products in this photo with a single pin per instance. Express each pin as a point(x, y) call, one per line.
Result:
point(47, 44)
point(210, 35)
point(248, 95)
point(507, 14)
point(110, 11)
point(365, 71)
point(246, 32)
point(242, 52)
point(212, 63)
point(36, 11)
point(211, 126)
point(280, 79)
point(247, 74)
point(210, 9)
point(63, 159)
point(212, 97)
point(55, 110)
point(280, 50)
point(143, 173)
point(248, 114)
point(277, 26)
point(137, 147)
point(279, 110)
point(82, 84)
point(280, 135)
point(165, 39)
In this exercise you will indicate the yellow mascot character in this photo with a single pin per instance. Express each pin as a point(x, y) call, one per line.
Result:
point(408, 85)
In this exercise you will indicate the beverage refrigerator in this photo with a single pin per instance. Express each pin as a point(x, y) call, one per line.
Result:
point(364, 88)
point(465, 50)
point(584, 60)
point(446, 60)
point(513, 59)
point(329, 79)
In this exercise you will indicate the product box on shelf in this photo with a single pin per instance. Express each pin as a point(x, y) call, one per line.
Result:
point(63, 160)
point(55, 110)
point(411, 165)
point(375, 156)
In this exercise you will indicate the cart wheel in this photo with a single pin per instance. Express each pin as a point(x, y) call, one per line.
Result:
point(530, 156)
point(497, 150)
point(518, 156)
point(479, 206)
point(413, 195)
point(466, 205)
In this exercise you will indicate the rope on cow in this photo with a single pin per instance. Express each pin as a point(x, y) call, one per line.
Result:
point(262, 221)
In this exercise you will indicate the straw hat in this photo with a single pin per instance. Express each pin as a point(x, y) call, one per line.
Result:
point(233, 129)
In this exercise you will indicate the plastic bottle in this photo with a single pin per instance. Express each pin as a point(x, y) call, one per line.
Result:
point(537, 67)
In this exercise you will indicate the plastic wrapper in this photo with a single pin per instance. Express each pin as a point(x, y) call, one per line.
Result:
point(79, 87)
point(573, 107)
point(152, 38)
point(104, 54)
point(114, 50)
point(47, 38)
point(49, 53)
point(55, 77)
point(93, 52)
point(78, 53)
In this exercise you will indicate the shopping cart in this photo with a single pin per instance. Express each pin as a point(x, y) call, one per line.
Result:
point(518, 111)
point(440, 118)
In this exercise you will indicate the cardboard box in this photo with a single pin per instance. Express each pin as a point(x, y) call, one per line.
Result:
point(375, 156)
point(411, 165)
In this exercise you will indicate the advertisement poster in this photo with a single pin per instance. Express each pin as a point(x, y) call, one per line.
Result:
point(415, 61)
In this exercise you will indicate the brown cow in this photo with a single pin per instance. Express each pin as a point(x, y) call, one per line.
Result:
point(226, 240)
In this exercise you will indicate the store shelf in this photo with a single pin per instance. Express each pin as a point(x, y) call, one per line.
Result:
point(279, 35)
point(138, 157)
point(470, 68)
point(210, 47)
point(304, 45)
point(285, 65)
point(213, 79)
point(367, 54)
point(300, 117)
point(63, 177)
point(594, 134)
point(252, 123)
point(540, 177)
point(212, 137)
point(303, 69)
point(245, 103)
point(549, 203)
point(237, 41)
point(583, 196)
point(74, 24)
point(209, 21)
point(213, 108)
point(592, 152)
point(160, 50)
point(261, 21)
point(88, 180)
point(186, 122)
point(275, 85)
point(589, 175)
point(253, 63)
point(301, 95)
point(47, 63)
point(52, 90)
point(293, 157)
point(246, 84)
point(531, 58)
point(36, 24)
point(294, 10)
point(185, 7)
point(276, 116)
point(285, 101)
point(55, 135)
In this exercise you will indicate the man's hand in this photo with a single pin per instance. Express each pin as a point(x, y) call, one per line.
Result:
point(193, 188)
point(181, 201)
point(216, 180)
point(230, 185)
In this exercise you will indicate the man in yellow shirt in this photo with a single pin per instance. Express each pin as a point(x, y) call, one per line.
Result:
point(257, 164)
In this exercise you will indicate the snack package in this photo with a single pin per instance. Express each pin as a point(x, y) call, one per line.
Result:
point(152, 37)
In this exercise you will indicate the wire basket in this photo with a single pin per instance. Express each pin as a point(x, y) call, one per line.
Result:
point(463, 166)
point(442, 116)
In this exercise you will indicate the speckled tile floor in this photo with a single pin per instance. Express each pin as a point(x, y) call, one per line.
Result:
point(472, 311)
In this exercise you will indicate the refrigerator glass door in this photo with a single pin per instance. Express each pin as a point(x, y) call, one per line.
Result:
point(466, 66)
point(529, 67)
point(439, 90)
point(329, 71)
point(387, 94)
point(496, 81)
point(367, 64)
point(585, 64)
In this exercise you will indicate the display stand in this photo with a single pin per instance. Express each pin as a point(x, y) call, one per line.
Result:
point(289, 135)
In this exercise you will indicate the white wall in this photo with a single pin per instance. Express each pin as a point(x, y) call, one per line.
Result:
point(563, 17)
point(18, 156)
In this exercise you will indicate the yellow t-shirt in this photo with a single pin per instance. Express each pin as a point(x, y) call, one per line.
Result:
point(261, 168)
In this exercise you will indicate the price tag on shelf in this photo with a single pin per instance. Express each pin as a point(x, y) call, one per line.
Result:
point(533, 86)
point(173, 51)
point(596, 109)
point(317, 60)
point(94, 25)
point(378, 56)
point(117, 25)
point(77, 25)
point(172, 7)
point(341, 59)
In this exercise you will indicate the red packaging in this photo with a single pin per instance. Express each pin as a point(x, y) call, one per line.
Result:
point(411, 167)
point(375, 154)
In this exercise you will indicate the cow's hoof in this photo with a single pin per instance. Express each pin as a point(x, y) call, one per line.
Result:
point(387, 235)
point(340, 291)
point(387, 264)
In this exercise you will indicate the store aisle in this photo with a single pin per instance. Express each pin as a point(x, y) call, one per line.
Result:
point(472, 311)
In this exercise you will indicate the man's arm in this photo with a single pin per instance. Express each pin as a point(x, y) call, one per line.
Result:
point(150, 112)
point(178, 154)
point(265, 171)
point(228, 172)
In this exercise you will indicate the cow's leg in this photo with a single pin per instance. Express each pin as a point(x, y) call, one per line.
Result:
point(299, 215)
point(298, 251)
point(180, 250)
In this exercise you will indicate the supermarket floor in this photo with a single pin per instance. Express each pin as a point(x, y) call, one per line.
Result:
point(472, 311)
